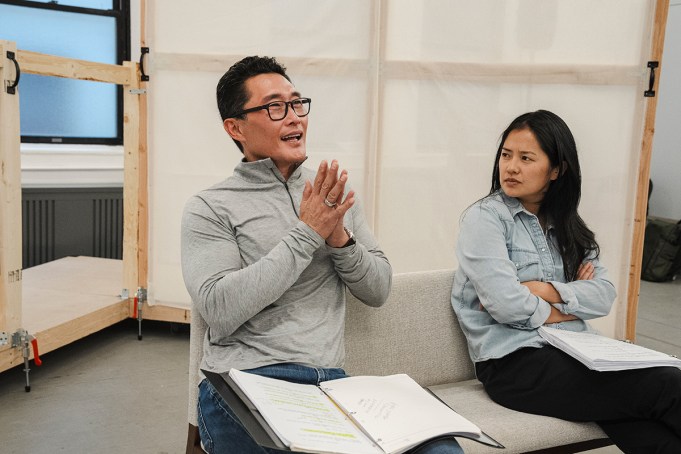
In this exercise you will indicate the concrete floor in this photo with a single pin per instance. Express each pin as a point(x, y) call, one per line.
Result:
point(107, 393)
point(110, 393)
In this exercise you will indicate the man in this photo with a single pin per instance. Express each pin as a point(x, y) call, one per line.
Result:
point(268, 253)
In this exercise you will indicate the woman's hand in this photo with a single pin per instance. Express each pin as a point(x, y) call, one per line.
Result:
point(543, 290)
point(548, 293)
point(585, 272)
point(557, 316)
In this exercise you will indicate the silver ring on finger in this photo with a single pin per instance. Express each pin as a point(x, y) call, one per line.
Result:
point(329, 204)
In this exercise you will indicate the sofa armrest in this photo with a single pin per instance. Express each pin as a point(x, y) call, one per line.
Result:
point(197, 331)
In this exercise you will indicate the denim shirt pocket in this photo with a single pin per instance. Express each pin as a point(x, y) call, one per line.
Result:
point(527, 264)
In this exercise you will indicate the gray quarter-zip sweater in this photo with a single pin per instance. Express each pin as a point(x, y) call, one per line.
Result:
point(268, 286)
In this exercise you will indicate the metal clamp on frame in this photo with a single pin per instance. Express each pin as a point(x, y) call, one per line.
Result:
point(140, 298)
point(21, 339)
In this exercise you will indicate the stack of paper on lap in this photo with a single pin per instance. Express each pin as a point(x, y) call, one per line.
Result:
point(603, 353)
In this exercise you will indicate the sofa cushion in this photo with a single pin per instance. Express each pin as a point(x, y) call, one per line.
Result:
point(415, 332)
point(518, 432)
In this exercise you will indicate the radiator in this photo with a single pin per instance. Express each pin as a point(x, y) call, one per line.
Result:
point(37, 231)
point(71, 221)
point(107, 227)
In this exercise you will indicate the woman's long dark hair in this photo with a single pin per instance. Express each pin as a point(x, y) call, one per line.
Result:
point(575, 240)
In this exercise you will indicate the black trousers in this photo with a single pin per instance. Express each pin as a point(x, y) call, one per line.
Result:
point(640, 410)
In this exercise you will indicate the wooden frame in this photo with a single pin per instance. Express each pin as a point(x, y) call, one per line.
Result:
point(10, 209)
point(135, 251)
point(640, 210)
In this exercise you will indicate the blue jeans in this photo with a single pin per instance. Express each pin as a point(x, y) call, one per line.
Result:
point(221, 432)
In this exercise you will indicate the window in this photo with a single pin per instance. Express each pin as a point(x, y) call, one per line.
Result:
point(56, 110)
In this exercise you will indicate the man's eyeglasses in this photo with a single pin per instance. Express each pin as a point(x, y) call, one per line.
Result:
point(278, 110)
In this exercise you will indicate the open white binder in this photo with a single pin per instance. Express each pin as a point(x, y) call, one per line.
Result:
point(353, 415)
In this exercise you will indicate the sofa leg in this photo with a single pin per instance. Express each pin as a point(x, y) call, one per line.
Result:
point(194, 441)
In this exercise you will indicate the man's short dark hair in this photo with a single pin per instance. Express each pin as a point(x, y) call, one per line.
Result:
point(231, 89)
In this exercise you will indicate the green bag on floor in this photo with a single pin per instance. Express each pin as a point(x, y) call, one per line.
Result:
point(661, 251)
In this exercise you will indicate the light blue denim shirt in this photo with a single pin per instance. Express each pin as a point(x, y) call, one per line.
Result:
point(501, 245)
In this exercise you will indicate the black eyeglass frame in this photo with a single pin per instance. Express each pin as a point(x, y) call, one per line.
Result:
point(303, 101)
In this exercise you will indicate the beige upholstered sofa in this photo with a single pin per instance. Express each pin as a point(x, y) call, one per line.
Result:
point(417, 333)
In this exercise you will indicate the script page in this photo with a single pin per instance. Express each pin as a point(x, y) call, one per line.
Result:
point(604, 353)
point(396, 411)
point(303, 417)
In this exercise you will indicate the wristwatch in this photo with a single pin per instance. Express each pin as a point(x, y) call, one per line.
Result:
point(351, 240)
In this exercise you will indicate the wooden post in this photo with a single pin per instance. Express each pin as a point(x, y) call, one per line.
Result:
point(131, 181)
point(143, 221)
point(657, 46)
point(10, 199)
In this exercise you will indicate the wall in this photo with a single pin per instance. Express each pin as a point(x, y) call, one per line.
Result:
point(411, 97)
point(665, 169)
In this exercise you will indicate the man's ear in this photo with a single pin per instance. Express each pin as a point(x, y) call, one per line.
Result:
point(233, 128)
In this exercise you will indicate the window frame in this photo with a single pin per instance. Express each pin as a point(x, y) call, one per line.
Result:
point(121, 14)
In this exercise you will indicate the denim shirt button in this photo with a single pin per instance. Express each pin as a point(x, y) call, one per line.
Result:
point(543, 249)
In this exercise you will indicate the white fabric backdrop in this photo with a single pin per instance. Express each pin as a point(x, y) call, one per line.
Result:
point(411, 98)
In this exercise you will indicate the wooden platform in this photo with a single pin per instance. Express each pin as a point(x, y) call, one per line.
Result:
point(70, 298)
point(66, 300)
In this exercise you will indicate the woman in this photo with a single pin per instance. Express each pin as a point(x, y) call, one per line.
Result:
point(527, 259)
